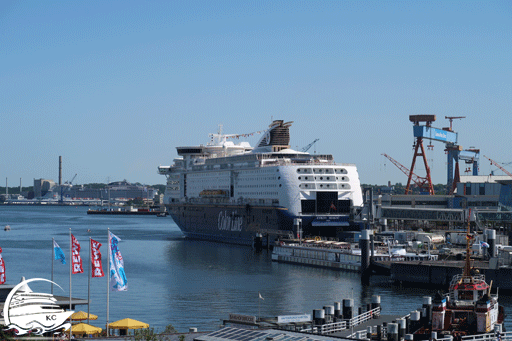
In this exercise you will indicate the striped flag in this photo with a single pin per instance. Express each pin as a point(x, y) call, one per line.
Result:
point(118, 280)
point(77, 260)
point(97, 268)
point(2, 268)
point(58, 252)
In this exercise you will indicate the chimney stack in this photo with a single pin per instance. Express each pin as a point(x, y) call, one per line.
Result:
point(60, 170)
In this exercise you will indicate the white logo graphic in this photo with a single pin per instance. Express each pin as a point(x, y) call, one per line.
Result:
point(231, 222)
point(25, 310)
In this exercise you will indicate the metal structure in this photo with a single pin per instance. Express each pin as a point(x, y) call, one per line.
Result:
point(470, 157)
point(499, 166)
point(418, 180)
point(451, 118)
point(426, 131)
point(305, 149)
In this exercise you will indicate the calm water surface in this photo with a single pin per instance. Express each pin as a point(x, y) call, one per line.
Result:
point(176, 281)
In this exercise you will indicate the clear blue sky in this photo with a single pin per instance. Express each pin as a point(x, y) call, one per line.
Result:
point(115, 86)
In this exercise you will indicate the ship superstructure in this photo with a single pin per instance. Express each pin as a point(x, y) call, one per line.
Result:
point(233, 192)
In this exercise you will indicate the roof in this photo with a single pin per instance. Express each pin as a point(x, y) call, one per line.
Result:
point(483, 178)
point(241, 334)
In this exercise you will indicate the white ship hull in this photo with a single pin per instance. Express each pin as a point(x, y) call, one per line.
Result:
point(232, 193)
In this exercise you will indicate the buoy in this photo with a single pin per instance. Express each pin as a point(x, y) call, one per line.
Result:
point(7, 228)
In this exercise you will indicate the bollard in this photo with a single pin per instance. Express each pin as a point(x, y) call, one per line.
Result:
point(369, 332)
point(427, 305)
point(337, 310)
point(329, 313)
point(393, 332)
point(319, 316)
point(415, 321)
point(375, 303)
point(401, 328)
point(491, 238)
point(348, 308)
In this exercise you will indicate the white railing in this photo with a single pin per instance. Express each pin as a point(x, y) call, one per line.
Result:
point(344, 325)
point(364, 317)
point(361, 334)
point(333, 327)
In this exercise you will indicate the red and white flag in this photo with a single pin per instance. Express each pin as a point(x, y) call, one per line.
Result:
point(76, 259)
point(2, 268)
point(97, 268)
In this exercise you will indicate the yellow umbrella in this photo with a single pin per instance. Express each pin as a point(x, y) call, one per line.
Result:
point(84, 328)
point(128, 324)
point(82, 315)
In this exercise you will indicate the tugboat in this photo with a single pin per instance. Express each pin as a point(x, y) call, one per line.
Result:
point(469, 308)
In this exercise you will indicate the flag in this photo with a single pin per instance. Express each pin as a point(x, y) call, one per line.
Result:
point(484, 244)
point(261, 296)
point(76, 260)
point(58, 253)
point(118, 281)
point(2, 268)
point(97, 268)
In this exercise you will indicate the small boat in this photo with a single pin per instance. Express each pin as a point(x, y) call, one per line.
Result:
point(7, 228)
point(469, 308)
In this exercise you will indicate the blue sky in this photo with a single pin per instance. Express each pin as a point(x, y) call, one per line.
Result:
point(115, 86)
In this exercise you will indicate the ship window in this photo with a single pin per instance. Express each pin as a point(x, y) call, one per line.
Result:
point(465, 295)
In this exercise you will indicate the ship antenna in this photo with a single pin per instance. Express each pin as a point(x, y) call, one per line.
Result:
point(469, 237)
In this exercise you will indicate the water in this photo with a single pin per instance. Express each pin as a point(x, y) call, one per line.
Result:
point(176, 281)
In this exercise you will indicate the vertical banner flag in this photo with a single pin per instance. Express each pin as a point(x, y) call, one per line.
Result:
point(59, 254)
point(97, 268)
point(118, 281)
point(77, 260)
point(2, 268)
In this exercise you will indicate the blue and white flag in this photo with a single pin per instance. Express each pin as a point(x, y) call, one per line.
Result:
point(58, 252)
point(118, 281)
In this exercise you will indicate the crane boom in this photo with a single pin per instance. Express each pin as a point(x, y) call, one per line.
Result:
point(418, 180)
point(305, 149)
point(499, 166)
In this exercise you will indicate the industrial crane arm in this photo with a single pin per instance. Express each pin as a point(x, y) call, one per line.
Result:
point(499, 166)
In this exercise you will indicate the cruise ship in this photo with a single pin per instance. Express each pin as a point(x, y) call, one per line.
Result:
point(236, 193)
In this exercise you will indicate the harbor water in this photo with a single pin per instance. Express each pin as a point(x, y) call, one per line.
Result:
point(172, 280)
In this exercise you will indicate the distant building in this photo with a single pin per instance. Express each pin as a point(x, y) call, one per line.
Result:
point(119, 191)
point(42, 187)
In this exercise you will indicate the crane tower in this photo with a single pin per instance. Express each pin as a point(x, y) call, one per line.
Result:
point(426, 131)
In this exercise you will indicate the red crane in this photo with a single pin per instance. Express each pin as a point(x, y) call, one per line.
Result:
point(499, 166)
point(421, 182)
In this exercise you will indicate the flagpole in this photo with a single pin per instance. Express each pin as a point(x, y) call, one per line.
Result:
point(89, 282)
point(108, 274)
point(70, 271)
point(53, 256)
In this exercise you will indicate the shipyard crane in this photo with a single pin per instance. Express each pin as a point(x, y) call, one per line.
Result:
point(418, 180)
point(71, 181)
point(451, 118)
point(305, 149)
point(499, 166)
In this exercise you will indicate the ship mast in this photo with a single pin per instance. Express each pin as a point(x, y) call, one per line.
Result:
point(469, 238)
